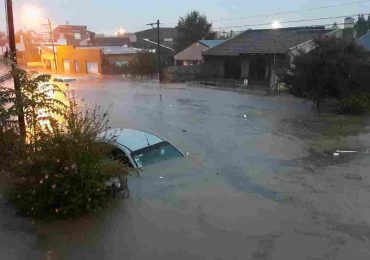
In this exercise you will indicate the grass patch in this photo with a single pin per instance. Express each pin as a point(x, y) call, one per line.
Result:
point(337, 128)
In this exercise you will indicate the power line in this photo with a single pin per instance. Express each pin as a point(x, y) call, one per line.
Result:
point(288, 22)
point(301, 28)
point(294, 11)
point(287, 12)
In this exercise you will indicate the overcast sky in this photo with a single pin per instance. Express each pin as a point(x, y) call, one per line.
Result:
point(106, 16)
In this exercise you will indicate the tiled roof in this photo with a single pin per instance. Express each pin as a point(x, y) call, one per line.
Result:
point(266, 41)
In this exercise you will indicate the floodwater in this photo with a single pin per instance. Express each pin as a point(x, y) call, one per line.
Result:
point(261, 182)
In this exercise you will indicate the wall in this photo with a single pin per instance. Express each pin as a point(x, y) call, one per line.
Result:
point(29, 53)
point(112, 59)
point(81, 55)
point(213, 65)
point(245, 68)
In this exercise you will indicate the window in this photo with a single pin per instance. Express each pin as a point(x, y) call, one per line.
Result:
point(77, 36)
point(77, 66)
point(156, 153)
point(67, 66)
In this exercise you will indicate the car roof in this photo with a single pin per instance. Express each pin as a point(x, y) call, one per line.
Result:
point(130, 138)
point(64, 79)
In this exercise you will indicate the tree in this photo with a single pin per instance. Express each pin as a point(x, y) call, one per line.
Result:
point(226, 35)
point(191, 28)
point(362, 26)
point(335, 68)
point(143, 63)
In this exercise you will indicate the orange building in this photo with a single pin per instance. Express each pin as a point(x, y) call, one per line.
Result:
point(75, 60)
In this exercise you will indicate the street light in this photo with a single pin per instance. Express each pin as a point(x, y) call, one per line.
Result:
point(33, 13)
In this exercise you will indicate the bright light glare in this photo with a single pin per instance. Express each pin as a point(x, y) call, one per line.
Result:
point(31, 12)
point(275, 25)
point(120, 31)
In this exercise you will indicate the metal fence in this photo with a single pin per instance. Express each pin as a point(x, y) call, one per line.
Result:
point(217, 81)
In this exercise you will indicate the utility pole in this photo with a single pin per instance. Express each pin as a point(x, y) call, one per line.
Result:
point(158, 49)
point(52, 44)
point(13, 57)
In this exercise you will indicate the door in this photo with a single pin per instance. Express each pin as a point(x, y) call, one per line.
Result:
point(232, 67)
point(67, 66)
point(92, 67)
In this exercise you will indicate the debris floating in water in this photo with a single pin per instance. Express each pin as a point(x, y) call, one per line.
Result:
point(170, 105)
point(187, 154)
point(336, 154)
point(161, 177)
point(339, 151)
point(245, 116)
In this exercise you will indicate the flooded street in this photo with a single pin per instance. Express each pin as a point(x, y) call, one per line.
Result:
point(261, 181)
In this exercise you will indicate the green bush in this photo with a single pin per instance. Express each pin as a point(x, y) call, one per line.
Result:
point(358, 103)
point(64, 173)
point(57, 169)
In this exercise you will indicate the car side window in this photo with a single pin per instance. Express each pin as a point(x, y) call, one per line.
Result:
point(120, 155)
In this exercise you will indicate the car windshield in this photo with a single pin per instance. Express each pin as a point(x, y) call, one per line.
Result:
point(155, 154)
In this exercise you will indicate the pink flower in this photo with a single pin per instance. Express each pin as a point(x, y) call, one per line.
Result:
point(53, 186)
point(41, 181)
point(58, 161)
point(46, 176)
point(66, 168)
point(57, 210)
point(73, 166)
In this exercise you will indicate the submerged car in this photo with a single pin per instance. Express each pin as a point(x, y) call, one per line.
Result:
point(139, 147)
point(64, 79)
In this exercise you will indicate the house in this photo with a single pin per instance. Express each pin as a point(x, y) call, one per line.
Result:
point(72, 59)
point(193, 54)
point(116, 56)
point(256, 55)
point(364, 41)
point(147, 40)
point(76, 35)
point(112, 41)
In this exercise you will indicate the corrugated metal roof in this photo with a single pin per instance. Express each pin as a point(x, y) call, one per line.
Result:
point(266, 41)
point(211, 43)
point(364, 41)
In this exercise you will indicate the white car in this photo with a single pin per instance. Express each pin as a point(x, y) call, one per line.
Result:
point(64, 79)
point(140, 148)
